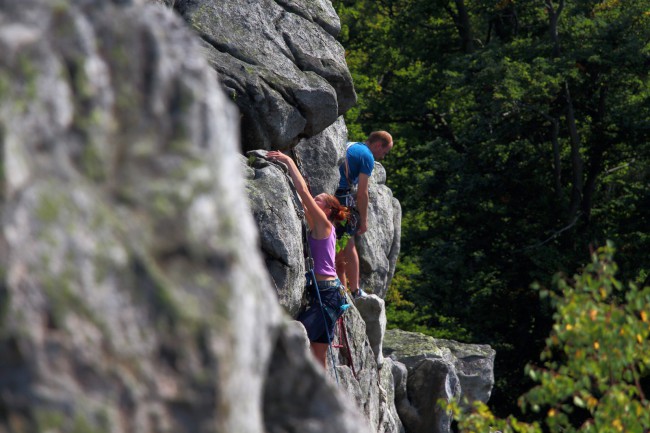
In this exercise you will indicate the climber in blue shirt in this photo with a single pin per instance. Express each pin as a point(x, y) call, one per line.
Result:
point(355, 173)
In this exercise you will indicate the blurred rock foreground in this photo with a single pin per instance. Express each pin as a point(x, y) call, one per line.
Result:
point(151, 268)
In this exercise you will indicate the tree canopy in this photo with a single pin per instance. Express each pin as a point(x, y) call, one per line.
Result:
point(522, 139)
point(594, 361)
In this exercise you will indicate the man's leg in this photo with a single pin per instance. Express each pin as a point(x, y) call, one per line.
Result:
point(352, 265)
point(340, 267)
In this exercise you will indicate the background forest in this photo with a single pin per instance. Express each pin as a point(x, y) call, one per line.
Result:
point(522, 133)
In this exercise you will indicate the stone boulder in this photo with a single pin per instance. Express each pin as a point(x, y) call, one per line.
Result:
point(297, 399)
point(359, 375)
point(379, 246)
point(279, 62)
point(320, 157)
point(135, 297)
point(373, 311)
point(435, 369)
point(390, 420)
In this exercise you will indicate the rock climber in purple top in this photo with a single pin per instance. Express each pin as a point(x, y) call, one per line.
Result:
point(321, 212)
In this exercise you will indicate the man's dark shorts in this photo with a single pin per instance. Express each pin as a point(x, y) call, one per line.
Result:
point(351, 226)
point(315, 319)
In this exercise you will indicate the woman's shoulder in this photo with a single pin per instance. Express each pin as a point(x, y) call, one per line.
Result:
point(321, 232)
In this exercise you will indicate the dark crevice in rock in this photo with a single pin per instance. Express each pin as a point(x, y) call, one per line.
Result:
point(3, 188)
point(4, 293)
point(275, 257)
point(226, 49)
point(289, 98)
point(203, 344)
point(15, 374)
point(168, 354)
point(294, 53)
point(179, 99)
point(4, 415)
point(217, 263)
point(293, 8)
point(51, 322)
point(151, 55)
point(155, 288)
point(194, 410)
point(89, 378)
point(183, 6)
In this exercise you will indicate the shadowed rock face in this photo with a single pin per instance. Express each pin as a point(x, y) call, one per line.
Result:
point(427, 369)
point(279, 62)
point(134, 298)
point(320, 157)
point(274, 208)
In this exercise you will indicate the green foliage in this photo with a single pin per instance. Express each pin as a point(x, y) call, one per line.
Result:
point(342, 242)
point(514, 153)
point(409, 316)
point(597, 352)
point(594, 361)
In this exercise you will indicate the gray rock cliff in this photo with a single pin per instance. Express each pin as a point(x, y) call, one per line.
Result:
point(133, 295)
point(151, 265)
point(279, 62)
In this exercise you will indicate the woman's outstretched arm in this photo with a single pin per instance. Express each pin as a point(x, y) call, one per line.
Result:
point(316, 218)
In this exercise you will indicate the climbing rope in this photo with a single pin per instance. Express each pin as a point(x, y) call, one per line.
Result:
point(346, 344)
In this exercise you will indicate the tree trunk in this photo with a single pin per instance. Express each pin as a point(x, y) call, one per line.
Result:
point(597, 152)
point(557, 169)
point(555, 142)
point(576, 160)
point(553, 16)
point(463, 25)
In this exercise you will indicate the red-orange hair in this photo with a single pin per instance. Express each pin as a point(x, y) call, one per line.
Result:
point(338, 212)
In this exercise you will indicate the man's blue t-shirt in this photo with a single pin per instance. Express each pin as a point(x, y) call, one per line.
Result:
point(360, 160)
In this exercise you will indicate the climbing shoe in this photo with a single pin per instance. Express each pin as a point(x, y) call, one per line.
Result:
point(359, 294)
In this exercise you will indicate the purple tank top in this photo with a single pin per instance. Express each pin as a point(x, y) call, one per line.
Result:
point(323, 251)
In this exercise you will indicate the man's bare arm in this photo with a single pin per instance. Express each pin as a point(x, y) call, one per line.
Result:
point(362, 202)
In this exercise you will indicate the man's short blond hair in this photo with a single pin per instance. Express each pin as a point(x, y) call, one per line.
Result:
point(382, 136)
